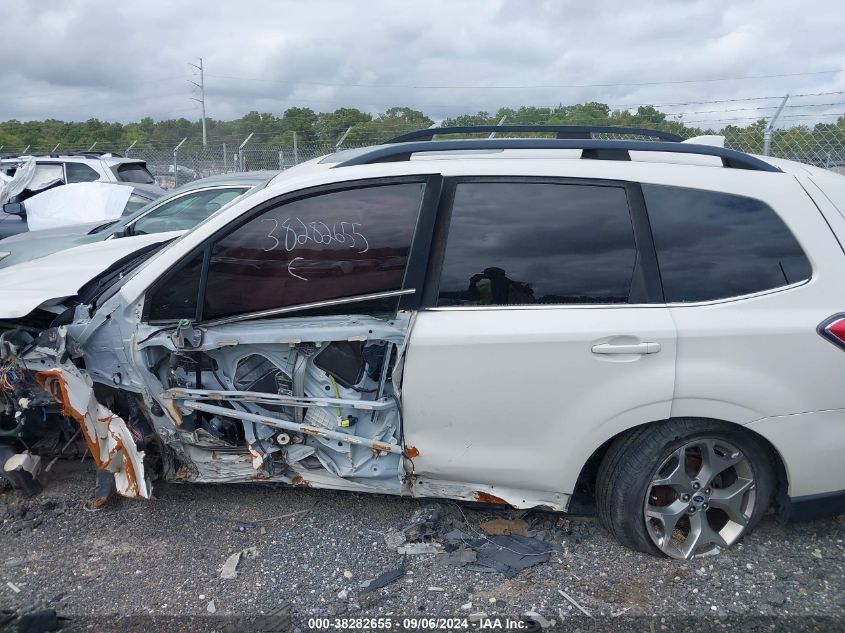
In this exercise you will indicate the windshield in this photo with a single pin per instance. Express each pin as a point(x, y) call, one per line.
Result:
point(134, 172)
point(185, 212)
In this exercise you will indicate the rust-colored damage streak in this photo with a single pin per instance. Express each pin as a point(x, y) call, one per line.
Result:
point(411, 452)
point(299, 480)
point(486, 497)
point(378, 447)
point(106, 434)
point(257, 458)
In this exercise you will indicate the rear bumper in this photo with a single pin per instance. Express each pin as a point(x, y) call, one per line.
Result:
point(812, 507)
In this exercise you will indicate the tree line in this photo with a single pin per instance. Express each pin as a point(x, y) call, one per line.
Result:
point(327, 127)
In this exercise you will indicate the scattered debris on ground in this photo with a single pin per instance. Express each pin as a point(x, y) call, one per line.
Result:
point(230, 567)
point(499, 527)
point(313, 550)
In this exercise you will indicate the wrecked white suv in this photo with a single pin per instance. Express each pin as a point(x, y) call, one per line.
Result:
point(652, 328)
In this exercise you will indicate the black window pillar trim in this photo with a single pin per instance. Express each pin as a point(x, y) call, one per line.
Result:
point(651, 290)
point(437, 251)
point(206, 260)
point(418, 256)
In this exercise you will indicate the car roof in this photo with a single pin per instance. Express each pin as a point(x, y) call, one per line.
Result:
point(109, 159)
point(252, 178)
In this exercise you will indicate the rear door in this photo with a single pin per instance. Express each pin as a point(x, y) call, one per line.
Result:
point(543, 334)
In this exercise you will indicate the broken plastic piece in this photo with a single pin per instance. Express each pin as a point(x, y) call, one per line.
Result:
point(509, 555)
point(382, 580)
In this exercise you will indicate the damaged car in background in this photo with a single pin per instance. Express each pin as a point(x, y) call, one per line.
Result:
point(26, 177)
point(511, 326)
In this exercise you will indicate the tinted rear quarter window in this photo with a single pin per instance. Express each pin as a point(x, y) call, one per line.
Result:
point(522, 243)
point(134, 172)
point(711, 245)
point(80, 172)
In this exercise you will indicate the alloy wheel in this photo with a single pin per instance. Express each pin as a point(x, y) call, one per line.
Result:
point(700, 499)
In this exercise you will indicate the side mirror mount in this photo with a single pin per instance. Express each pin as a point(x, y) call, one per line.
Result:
point(14, 208)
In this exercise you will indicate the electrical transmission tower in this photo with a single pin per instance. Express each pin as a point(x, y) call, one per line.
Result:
point(201, 100)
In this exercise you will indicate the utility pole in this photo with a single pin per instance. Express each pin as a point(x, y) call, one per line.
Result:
point(201, 100)
point(767, 133)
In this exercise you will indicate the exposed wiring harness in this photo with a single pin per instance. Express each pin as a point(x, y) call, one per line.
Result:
point(10, 376)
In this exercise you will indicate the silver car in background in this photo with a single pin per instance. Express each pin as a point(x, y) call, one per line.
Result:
point(180, 210)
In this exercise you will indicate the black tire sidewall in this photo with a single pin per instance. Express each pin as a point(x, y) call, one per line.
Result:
point(631, 470)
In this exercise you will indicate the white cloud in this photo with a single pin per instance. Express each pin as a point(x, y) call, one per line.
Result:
point(77, 59)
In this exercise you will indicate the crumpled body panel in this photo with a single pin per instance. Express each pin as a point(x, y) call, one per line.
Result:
point(106, 434)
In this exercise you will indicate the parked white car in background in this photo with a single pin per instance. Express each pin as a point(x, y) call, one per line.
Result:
point(25, 176)
point(654, 328)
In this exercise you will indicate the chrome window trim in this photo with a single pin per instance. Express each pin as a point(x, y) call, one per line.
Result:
point(677, 304)
point(304, 306)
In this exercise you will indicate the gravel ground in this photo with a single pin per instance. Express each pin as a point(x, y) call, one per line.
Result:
point(164, 558)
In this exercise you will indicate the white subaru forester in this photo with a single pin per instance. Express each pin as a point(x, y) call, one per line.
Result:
point(654, 328)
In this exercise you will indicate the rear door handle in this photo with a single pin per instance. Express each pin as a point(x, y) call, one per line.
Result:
point(633, 348)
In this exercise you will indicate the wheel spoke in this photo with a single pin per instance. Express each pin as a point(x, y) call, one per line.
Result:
point(696, 525)
point(730, 500)
point(677, 478)
point(700, 535)
point(668, 516)
point(713, 464)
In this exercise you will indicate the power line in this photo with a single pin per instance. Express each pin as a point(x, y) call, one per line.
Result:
point(527, 86)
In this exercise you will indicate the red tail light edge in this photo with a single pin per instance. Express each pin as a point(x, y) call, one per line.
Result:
point(833, 329)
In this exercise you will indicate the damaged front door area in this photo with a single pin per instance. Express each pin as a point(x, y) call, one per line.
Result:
point(298, 400)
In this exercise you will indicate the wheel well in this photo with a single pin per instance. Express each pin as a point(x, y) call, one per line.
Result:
point(583, 497)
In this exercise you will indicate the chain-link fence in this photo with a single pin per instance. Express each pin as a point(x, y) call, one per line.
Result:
point(822, 146)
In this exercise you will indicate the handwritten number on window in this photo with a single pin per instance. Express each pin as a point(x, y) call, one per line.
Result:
point(315, 233)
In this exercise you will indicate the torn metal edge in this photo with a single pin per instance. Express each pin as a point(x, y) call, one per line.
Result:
point(106, 434)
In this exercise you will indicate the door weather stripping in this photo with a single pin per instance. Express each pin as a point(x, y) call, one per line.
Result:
point(309, 306)
point(293, 426)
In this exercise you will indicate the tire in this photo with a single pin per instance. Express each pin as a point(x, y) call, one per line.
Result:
point(646, 494)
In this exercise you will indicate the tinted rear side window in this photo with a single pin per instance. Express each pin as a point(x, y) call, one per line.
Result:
point(522, 243)
point(713, 245)
point(80, 172)
point(134, 172)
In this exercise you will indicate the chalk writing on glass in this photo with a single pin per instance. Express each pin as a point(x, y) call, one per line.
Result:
point(291, 233)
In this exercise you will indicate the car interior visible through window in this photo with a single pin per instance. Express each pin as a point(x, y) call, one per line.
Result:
point(518, 243)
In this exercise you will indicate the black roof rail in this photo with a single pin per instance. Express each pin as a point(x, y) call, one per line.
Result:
point(561, 131)
point(608, 150)
point(60, 154)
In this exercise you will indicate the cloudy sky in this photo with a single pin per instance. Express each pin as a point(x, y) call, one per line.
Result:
point(120, 61)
